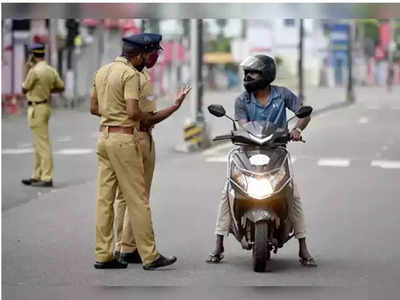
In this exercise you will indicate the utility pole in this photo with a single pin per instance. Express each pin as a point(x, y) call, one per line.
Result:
point(243, 32)
point(53, 49)
point(100, 41)
point(72, 31)
point(196, 31)
point(350, 91)
point(143, 25)
point(53, 42)
point(195, 131)
point(392, 45)
point(300, 66)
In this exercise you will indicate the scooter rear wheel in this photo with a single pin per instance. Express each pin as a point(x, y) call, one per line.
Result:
point(261, 251)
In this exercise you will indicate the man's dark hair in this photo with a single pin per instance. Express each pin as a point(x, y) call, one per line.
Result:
point(38, 55)
point(129, 50)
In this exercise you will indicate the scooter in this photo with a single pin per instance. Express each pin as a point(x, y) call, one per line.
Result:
point(260, 185)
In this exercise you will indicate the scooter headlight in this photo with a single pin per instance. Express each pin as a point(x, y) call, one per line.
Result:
point(238, 177)
point(260, 187)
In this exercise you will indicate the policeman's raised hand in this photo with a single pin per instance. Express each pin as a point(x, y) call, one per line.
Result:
point(182, 95)
point(28, 66)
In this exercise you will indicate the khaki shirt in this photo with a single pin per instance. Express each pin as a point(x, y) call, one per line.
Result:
point(147, 101)
point(40, 80)
point(113, 85)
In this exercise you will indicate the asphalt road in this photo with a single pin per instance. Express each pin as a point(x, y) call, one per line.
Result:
point(348, 174)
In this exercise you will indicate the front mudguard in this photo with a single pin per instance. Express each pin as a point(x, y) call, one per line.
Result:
point(257, 215)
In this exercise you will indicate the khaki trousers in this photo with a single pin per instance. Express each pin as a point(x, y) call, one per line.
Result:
point(295, 214)
point(38, 120)
point(120, 164)
point(125, 237)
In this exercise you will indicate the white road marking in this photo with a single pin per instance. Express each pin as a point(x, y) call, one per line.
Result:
point(363, 120)
point(74, 151)
point(216, 149)
point(222, 159)
point(71, 151)
point(325, 162)
point(17, 151)
point(386, 164)
point(333, 162)
point(25, 145)
point(64, 139)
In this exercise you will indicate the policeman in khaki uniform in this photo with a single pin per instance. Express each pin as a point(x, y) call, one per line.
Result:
point(147, 104)
point(115, 97)
point(40, 80)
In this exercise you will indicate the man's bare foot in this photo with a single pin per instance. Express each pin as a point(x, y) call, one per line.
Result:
point(216, 256)
point(305, 257)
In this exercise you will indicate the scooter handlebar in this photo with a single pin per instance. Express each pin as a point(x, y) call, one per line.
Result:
point(222, 137)
point(288, 138)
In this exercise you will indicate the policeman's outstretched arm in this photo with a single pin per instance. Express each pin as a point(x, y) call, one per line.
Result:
point(156, 117)
point(57, 90)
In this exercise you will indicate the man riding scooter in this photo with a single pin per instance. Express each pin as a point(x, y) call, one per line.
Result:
point(265, 102)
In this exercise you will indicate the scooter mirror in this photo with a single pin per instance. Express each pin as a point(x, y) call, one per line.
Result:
point(216, 110)
point(304, 112)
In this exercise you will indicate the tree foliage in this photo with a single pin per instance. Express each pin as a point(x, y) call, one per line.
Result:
point(370, 29)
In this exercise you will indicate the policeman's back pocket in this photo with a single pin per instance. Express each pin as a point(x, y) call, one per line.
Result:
point(126, 146)
point(38, 115)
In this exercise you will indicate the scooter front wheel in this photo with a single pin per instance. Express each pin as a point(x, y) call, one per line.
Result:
point(261, 251)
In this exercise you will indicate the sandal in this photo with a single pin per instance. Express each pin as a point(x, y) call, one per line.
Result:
point(308, 262)
point(214, 258)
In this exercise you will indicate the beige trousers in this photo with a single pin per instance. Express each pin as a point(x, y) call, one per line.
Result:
point(125, 237)
point(120, 164)
point(38, 120)
point(295, 213)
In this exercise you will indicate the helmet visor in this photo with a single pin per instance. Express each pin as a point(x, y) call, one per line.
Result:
point(252, 63)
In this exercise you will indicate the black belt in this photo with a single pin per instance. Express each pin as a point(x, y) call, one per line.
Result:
point(39, 102)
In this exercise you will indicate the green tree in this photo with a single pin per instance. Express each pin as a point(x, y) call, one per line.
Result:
point(222, 44)
point(368, 29)
point(397, 36)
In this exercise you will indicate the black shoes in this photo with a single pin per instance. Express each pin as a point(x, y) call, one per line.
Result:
point(129, 257)
point(41, 183)
point(29, 181)
point(160, 262)
point(121, 261)
point(37, 183)
point(112, 264)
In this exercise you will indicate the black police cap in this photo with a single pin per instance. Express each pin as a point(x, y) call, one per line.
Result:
point(154, 40)
point(147, 41)
point(37, 48)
